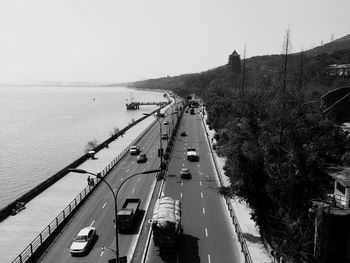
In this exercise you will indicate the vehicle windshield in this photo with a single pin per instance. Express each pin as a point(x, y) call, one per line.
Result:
point(80, 239)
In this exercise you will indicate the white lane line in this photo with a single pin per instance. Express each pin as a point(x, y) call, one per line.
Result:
point(115, 190)
point(203, 211)
point(183, 164)
point(139, 179)
point(182, 183)
point(104, 205)
point(201, 195)
point(92, 223)
point(101, 253)
point(198, 165)
point(133, 190)
point(127, 170)
point(180, 195)
point(122, 179)
point(206, 232)
point(200, 182)
point(209, 258)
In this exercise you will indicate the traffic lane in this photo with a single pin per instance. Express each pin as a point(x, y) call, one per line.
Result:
point(65, 240)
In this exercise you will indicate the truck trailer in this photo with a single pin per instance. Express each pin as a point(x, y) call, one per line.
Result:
point(127, 214)
point(166, 223)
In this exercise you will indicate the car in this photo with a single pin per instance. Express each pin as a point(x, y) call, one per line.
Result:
point(165, 136)
point(183, 134)
point(165, 123)
point(141, 158)
point(83, 241)
point(134, 150)
point(185, 173)
point(192, 155)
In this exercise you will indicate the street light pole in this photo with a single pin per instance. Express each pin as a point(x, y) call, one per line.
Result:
point(115, 195)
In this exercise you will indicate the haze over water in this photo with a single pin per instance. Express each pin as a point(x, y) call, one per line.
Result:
point(43, 129)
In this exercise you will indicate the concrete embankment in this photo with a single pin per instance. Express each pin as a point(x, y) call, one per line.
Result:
point(8, 209)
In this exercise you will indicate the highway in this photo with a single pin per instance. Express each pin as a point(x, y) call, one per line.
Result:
point(208, 234)
point(98, 211)
point(208, 230)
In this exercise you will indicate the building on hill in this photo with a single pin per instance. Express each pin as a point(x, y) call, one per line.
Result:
point(342, 70)
point(234, 62)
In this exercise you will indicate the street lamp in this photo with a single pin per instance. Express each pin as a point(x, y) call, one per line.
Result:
point(115, 195)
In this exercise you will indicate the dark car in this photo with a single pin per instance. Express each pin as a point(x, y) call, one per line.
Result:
point(183, 134)
point(185, 173)
point(141, 158)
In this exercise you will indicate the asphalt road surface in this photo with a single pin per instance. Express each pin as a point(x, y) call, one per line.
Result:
point(98, 211)
point(208, 233)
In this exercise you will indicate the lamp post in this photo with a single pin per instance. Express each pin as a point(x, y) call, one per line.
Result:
point(115, 195)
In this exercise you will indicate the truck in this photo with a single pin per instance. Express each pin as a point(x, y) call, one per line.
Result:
point(166, 223)
point(192, 155)
point(127, 214)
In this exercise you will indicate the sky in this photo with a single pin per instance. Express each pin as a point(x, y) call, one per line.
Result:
point(108, 41)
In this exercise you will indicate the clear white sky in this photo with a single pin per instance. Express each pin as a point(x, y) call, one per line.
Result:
point(127, 40)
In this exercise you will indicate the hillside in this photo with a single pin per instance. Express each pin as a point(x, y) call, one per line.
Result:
point(338, 44)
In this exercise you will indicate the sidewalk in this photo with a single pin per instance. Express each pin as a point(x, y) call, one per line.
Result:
point(250, 230)
point(18, 231)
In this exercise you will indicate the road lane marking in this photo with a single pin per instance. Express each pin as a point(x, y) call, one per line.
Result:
point(183, 164)
point(198, 165)
point(201, 195)
point(122, 179)
point(127, 170)
point(206, 232)
point(200, 182)
point(92, 223)
point(139, 179)
point(180, 195)
point(209, 258)
point(182, 183)
point(101, 253)
point(115, 190)
point(133, 190)
point(203, 211)
point(104, 205)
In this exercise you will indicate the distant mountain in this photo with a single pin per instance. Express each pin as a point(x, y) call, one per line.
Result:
point(338, 44)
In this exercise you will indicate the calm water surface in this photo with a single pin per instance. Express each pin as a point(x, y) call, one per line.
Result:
point(43, 129)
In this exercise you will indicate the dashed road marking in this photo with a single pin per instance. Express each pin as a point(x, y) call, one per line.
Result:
point(182, 183)
point(133, 190)
point(200, 182)
point(115, 190)
point(201, 195)
point(206, 232)
point(101, 253)
point(209, 258)
point(92, 223)
point(180, 195)
point(122, 179)
point(104, 205)
point(203, 211)
point(139, 179)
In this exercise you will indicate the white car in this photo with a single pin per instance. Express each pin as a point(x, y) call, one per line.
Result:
point(192, 155)
point(83, 241)
point(134, 150)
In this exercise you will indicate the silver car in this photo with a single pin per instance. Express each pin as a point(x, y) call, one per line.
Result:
point(83, 241)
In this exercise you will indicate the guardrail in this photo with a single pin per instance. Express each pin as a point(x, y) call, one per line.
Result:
point(238, 229)
point(25, 255)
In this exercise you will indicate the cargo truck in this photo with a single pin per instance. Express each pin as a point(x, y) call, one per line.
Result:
point(127, 214)
point(166, 223)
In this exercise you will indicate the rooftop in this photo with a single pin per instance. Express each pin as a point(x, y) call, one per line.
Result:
point(341, 174)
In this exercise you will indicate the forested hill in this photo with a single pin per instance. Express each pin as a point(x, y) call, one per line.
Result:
point(277, 140)
point(265, 68)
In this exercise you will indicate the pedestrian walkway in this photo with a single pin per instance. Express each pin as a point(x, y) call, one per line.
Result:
point(18, 231)
point(257, 250)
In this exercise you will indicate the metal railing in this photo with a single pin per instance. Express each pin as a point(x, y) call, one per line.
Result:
point(54, 224)
point(241, 239)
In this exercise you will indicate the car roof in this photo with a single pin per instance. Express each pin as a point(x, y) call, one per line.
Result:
point(85, 231)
